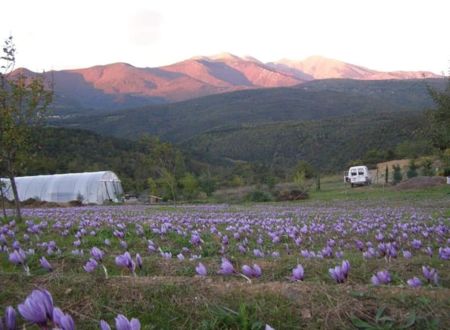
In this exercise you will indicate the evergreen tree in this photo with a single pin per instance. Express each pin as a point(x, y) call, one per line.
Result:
point(412, 169)
point(397, 175)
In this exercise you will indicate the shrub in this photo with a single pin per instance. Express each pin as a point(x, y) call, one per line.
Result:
point(397, 175)
point(259, 196)
point(412, 169)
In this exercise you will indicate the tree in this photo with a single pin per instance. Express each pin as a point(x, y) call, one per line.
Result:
point(397, 175)
point(427, 167)
point(23, 105)
point(412, 169)
point(305, 168)
point(439, 118)
point(190, 186)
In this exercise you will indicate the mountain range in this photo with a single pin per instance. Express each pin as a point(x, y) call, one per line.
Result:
point(120, 85)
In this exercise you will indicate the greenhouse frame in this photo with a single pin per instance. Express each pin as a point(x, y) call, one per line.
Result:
point(87, 187)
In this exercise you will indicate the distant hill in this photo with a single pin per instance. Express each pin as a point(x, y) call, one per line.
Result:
point(178, 122)
point(115, 86)
point(327, 144)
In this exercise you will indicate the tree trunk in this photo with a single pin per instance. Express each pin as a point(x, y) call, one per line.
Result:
point(16, 198)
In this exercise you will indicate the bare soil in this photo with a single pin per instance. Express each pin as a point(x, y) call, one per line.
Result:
point(421, 182)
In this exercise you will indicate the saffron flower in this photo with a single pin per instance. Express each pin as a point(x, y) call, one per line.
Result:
point(201, 269)
point(254, 271)
point(226, 268)
point(91, 265)
point(298, 273)
point(37, 307)
point(8, 322)
point(125, 260)
point(45, 264)
point(340, 273)
point(414, 282)
point(380, 278)
point(104, 325)
point(430, 274)
point(444, 253)
point(97, 254)
point(61, 320)
point(122, 323)
point(139, 260)
point(17, 257)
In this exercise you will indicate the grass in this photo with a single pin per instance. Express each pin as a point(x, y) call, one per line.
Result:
point(167, 294)
point(334, 189)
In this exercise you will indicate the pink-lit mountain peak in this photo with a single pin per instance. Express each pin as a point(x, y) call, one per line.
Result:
point(206, 75)
point(319, 67)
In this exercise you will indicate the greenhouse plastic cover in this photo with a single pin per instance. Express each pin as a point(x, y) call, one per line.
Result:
point(88, 187)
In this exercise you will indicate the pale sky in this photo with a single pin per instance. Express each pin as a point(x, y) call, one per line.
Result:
point(382, 34)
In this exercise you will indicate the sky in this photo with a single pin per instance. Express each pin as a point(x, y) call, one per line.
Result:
point(384, 35)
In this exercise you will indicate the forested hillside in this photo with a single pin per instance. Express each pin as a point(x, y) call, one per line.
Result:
point(327, 144)
point(181, 121)
point(63, 150)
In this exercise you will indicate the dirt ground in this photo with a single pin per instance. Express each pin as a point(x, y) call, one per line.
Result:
point(420, 182)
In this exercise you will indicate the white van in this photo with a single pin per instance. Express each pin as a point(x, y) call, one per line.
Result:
point(358, 176)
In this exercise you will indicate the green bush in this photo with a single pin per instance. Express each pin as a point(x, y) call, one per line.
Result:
point(397, 176)
point(412, 169)
point(259, 196)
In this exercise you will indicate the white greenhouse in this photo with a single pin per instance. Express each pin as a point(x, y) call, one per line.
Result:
point(88, 187)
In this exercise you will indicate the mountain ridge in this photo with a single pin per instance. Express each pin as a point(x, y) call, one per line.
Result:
point(122, 85)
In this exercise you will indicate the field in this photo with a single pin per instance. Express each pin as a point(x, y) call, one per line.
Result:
point(375, 230)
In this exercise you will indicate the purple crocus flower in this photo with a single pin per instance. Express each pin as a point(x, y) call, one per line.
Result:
point(414, 282)
point(104, 325)
point(97, 254)
point(444, 253)
point(226, 268)
point(257, 271)
point(247, 270)
point(337, 274)
point(16, 245)
point(298, 273)
point(9, 319)
point(201, 269)
point(195, 239)
point(17, 257)
point(345, 268)
point(258, 253)
point(305, 254)
point(123, 244)
point(381, 277)
point(62, 321)
point(45, 264)
point(416, 244)
point(139, 260)
point(91, 265)
point(122, 323)
point(254, 271)
point(125, 260)
point(430, 274)
point(37, 307)
point(407, 254)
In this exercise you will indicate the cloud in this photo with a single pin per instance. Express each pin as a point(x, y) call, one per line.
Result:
point(144, 27)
